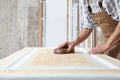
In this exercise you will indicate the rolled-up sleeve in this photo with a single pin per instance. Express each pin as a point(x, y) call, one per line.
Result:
point(118, 8)
point(88, 21)
point(113, 8)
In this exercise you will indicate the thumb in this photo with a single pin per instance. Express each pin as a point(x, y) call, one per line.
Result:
point(90, 52)
point(69, 49)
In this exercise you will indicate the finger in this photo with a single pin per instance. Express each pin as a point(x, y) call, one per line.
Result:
point(60, 45)
point(63, 45)
point(70, 48)
point(92, 51)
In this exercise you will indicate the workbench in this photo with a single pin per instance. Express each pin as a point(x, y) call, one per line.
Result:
point(35, 63)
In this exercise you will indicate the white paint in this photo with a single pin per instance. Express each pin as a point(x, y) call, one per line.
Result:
point(22, 59)
point(17, 60)
point(104, 62)
point(64, 76)
point(98, 59)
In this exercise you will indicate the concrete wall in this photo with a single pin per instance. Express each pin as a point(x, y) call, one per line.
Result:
point(18, 25)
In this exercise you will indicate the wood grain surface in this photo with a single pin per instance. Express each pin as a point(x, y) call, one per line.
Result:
point(48, 58)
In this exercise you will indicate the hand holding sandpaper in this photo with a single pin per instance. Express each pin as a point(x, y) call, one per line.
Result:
point(64, 48)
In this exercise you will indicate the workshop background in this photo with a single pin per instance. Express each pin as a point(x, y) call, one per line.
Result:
point(41, 23)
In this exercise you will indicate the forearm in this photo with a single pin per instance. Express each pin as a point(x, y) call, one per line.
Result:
point(115, 37)
point(85, 32)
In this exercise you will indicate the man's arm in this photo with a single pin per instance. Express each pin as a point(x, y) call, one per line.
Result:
point(83, 35)
point(115, 37)
point(85, 32)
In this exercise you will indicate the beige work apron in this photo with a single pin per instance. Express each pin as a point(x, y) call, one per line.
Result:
point(108, 25)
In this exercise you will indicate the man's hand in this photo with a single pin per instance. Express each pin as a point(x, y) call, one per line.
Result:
point(68, 45)
point(115, 37)
point(99, 48)
point(85, 32)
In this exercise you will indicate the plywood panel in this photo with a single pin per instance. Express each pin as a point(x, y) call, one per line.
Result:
point(48, 58)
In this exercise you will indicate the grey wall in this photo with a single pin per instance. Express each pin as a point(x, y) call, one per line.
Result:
point(18, 25)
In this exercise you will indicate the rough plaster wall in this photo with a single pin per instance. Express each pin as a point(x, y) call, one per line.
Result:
point(7, 26)
point(32, 27)
point(18, 25)
point(28, 22)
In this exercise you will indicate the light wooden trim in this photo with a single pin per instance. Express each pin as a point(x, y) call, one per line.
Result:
point(40, 23)
point(95, 37)
point(67, 20)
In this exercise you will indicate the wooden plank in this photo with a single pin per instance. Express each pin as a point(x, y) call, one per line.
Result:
point(46, 57)
point(40, 23)
point(67, 20)
point(95, 37)
point(41, 54)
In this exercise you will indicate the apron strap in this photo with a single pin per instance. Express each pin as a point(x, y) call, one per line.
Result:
point(89, 7)
point(100, 4)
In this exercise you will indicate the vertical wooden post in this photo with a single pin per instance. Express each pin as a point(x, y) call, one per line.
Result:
point(67, 26)
point(95, 37)
point(40, 23)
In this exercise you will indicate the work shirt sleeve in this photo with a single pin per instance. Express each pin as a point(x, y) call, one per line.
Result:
point(88, 21)
point(118, 8)
point(113, 8)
